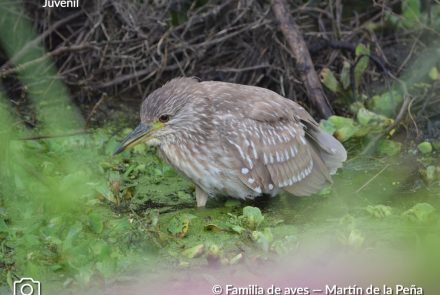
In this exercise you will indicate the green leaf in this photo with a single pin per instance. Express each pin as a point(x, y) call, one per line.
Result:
point(194, 252)
point(386, 104)
point(251, 217)
point(411, 11)
point(345, 75)
point(420, 213)
point(237, 229)
point(436, 145)
point(345, 127)
point(430, 174)
point(227, 227)
point(389, 147)
point(3, 226)
point(9, 279)
point(104, 190)
point(379, 211)
point(340, 122)
point(371, 119)
point(329, 80)
point(425, 147)
point(179, 224)
point(96, 223)
point(363, 53)
point(433, 74)
point(140, 149)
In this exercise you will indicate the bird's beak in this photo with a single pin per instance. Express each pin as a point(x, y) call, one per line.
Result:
point(139, 133)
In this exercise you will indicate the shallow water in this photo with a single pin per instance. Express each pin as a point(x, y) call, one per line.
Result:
point(331, 238)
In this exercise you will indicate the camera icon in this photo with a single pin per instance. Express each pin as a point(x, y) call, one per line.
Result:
point(27, 286)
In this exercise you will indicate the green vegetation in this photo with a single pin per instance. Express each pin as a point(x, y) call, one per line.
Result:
point(125, 214)
point(74, 216)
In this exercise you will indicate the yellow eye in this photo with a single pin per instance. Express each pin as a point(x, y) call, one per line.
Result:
point(164, 118)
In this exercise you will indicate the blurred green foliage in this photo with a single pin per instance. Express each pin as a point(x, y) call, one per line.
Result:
point(414, 17)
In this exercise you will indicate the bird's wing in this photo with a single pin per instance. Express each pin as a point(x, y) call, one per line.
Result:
point(275, 155)
point(275, 141)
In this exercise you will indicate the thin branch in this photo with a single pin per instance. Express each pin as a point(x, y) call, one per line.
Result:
point(49, 136)
point(95, 107)
point(58, 51)
point(373, 178)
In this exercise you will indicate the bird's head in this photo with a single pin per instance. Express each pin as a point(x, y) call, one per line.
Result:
point(176, 111)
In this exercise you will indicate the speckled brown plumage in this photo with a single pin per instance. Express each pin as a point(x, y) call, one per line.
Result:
point(236, 140)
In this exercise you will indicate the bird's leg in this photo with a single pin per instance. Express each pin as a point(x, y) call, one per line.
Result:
point(201, 197)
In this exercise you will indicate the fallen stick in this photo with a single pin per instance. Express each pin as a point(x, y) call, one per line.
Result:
point(302, 57)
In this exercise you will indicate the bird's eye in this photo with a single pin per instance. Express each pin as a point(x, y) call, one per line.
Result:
point(164, 118)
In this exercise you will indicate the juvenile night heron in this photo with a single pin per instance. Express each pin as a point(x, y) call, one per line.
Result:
point(236, 140)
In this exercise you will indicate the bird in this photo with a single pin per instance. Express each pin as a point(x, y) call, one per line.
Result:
point(236, 140)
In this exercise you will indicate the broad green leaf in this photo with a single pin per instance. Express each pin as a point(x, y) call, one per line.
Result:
point(345, 133)
point(363, 53)
point(340, 122)
point(425, 147)
point(386, 104)
point(329, 80)
point(371, 119)
point(251, 217)
point(345, 127)
point(356, 106)
point(411, 10)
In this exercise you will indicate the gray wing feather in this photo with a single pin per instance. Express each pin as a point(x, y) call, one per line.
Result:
point(276, 143)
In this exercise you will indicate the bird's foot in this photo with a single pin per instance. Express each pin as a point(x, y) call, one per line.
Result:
point(201, 197)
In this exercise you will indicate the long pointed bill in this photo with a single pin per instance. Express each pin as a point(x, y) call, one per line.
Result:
point(134, 137)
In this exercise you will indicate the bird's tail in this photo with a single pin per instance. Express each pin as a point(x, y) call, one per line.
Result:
point(328, 155)
point(330, 150)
